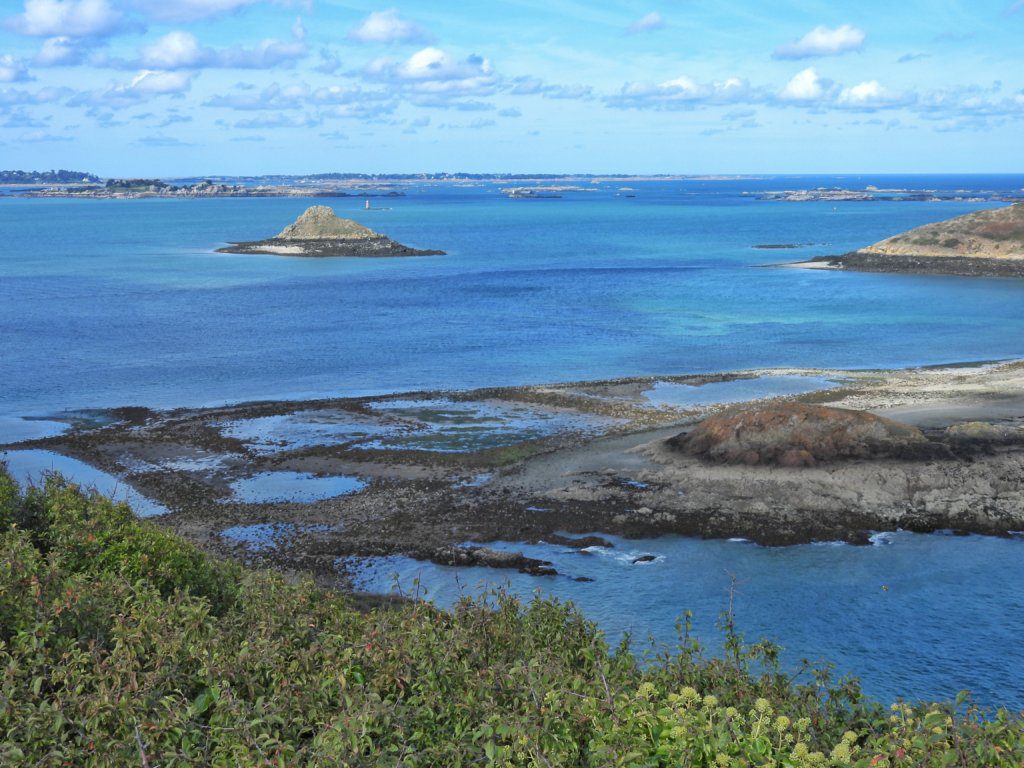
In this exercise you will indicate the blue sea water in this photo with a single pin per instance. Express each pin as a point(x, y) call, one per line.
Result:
point(108, 303)
point(914, 616)
point(111, 302)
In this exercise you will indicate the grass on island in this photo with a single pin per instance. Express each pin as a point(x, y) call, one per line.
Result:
point(123, 645)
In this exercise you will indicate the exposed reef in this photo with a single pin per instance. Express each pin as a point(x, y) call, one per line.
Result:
point(441, 474)
point(319, 232)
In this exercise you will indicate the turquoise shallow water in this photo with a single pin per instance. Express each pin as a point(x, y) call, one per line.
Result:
point(108, 303)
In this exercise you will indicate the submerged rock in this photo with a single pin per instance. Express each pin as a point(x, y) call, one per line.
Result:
point(798, 435)
point(320, 232)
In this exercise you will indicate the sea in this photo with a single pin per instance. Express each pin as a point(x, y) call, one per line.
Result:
point(108, 303)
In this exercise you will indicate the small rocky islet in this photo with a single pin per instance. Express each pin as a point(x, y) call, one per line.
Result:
point(986, 243)
point(319, 232)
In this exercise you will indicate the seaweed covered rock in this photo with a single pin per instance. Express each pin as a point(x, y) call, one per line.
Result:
point(798, 435)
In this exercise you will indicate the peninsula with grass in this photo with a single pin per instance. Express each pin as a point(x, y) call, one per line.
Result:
point(320, 232)
point(986, 243)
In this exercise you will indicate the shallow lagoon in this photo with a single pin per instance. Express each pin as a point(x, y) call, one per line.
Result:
point(32, 467)
point(438, 424)
point(270, 487)
point(919, 615)
point(735, 391)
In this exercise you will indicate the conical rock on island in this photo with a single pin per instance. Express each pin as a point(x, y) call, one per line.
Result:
point(319, 232)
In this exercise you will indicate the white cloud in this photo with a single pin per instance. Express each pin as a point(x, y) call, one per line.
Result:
point(333, 101)
point(681, 93)
point(182, 50)
point(155, 83)
point(174, 51)
point(12, 70)
point(822, 41)
point(528, 85)
point(12, 96)
point(58, 51)
point(388, 27)
point(870, 95)
point(432, 70)
point(145, 85)
point(271, 97)
point(67, 18)
point(279, 121)
point(807, 86)
point(647, 23)
point(329, 62)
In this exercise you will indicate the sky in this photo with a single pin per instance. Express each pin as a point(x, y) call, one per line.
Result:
point(197, 87)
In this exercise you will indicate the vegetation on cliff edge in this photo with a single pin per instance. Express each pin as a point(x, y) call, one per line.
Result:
point(121, 644)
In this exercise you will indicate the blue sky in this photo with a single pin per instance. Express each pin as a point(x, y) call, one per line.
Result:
point(167, 87)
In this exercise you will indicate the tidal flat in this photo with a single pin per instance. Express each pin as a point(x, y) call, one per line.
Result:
point(437, 476)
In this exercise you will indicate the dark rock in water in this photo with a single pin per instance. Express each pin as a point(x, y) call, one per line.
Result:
point(963, 266)
point(798, 435)
point(583, 579)
point(644, 559)
point(319, 232)
point(492, 558)
point(578, 542)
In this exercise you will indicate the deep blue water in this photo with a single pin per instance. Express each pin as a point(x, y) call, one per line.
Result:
point(913, 616)
point(113, 302)
point(107, 303)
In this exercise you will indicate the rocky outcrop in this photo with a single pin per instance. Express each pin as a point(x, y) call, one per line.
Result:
point(984, 243)
point(319, 222)
point(492, 558)
point(320, 232)
point(993, 234)
point(798, 435)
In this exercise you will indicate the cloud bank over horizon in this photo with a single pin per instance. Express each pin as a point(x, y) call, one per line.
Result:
point(191, 86)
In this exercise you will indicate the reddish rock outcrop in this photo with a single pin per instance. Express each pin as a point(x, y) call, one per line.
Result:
point(798, 435)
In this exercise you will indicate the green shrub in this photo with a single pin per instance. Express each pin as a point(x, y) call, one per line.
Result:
point(9, 499)
point(122, 645)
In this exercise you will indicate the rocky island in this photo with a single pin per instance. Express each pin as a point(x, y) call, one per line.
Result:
point(320, 232)
point(984, 244)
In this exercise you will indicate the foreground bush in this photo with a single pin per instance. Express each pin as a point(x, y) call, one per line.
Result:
point(120, 644)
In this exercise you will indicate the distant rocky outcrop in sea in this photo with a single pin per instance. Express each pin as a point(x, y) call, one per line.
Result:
point(984, 243)
point(320, 232)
